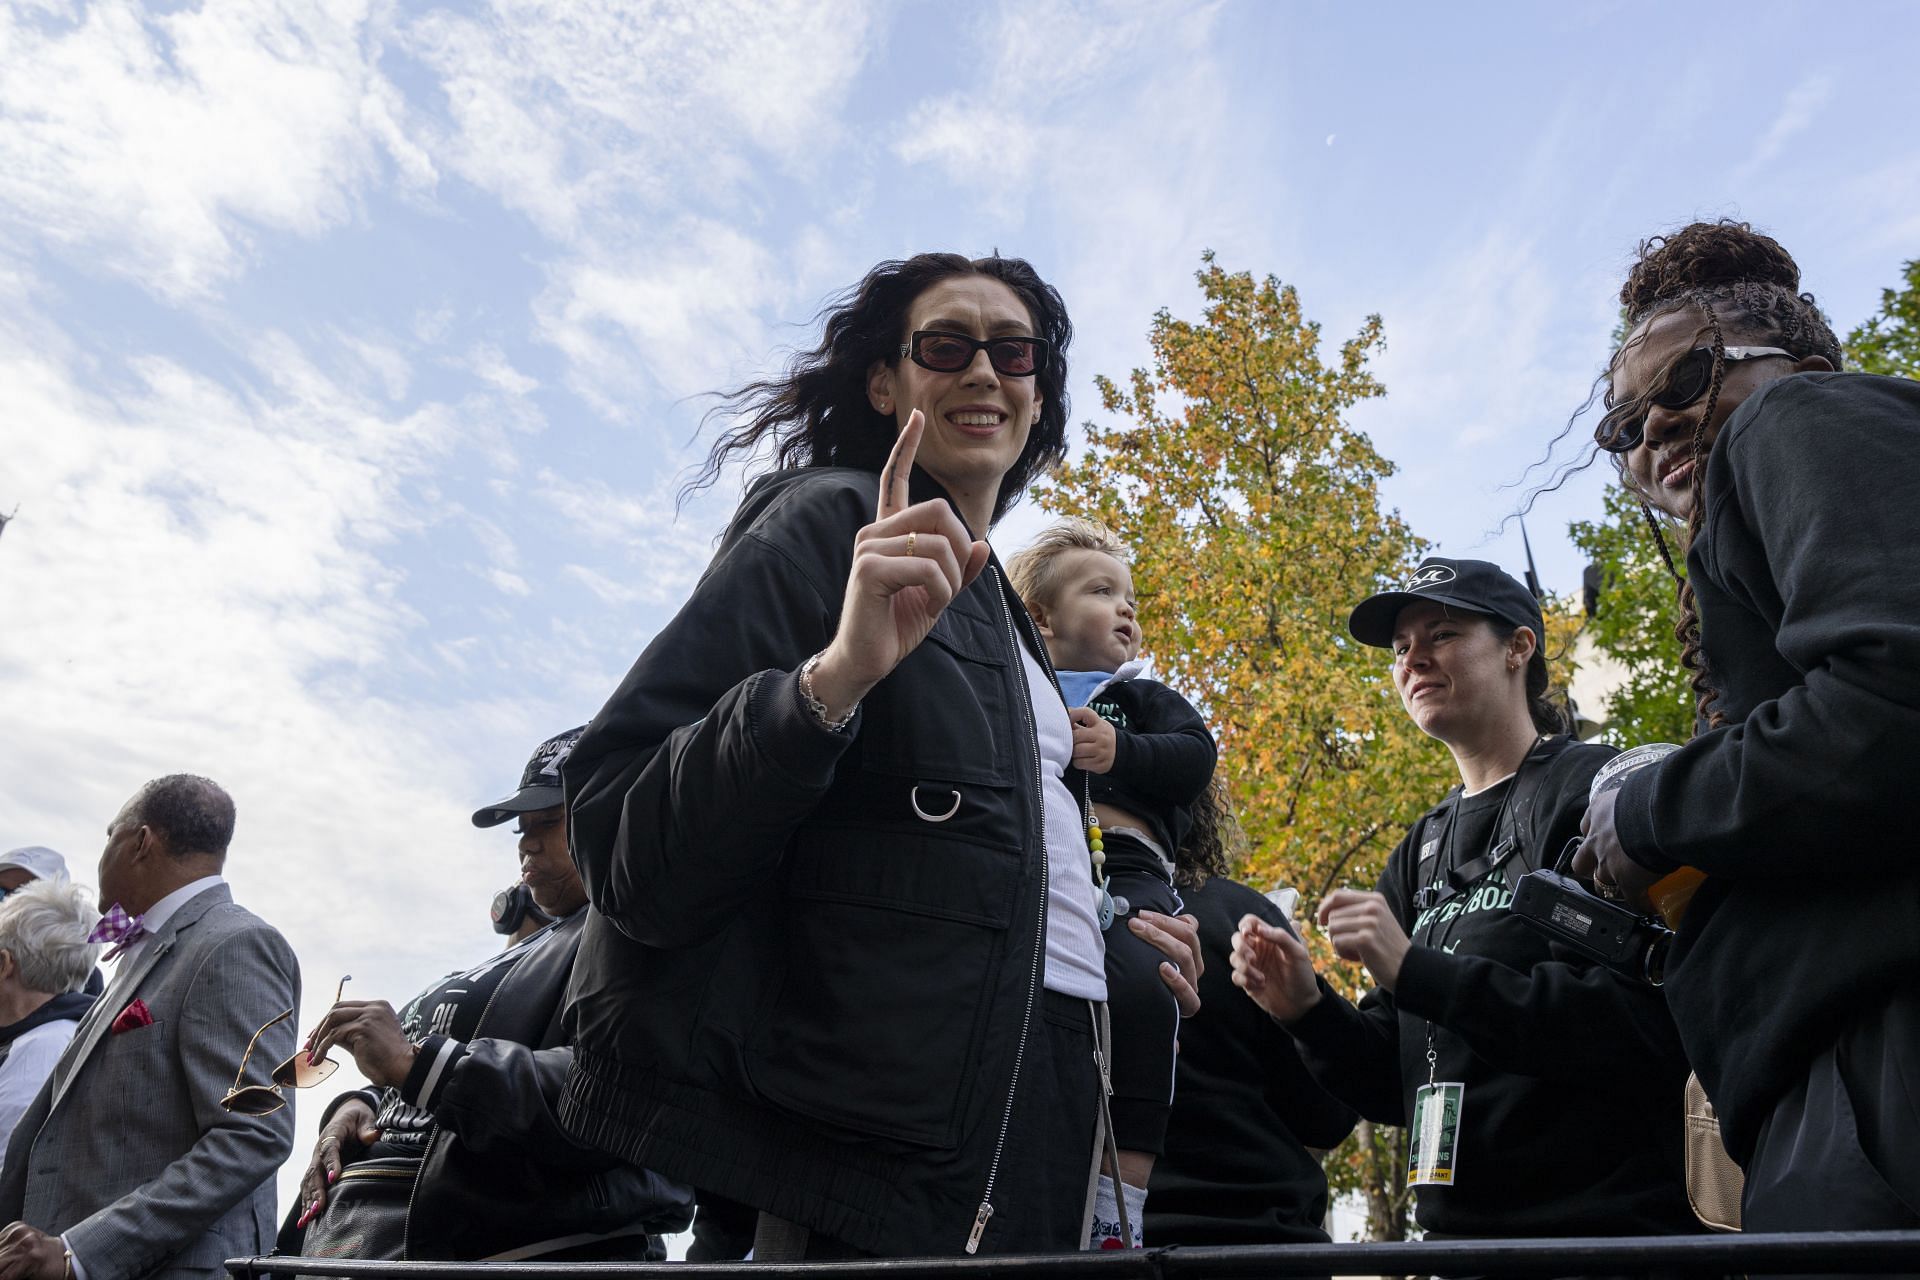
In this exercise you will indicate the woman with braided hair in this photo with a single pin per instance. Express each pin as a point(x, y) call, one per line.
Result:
point(1795, 979)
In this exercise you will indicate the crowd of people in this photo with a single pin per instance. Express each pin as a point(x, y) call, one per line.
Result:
point(884, 910)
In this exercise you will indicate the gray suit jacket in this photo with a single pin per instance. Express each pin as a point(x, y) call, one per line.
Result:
point(126, 1150)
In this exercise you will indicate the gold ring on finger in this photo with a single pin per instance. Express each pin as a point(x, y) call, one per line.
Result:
point(910, 537)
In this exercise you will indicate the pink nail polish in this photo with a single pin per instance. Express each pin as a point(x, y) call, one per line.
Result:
point(331, 1175)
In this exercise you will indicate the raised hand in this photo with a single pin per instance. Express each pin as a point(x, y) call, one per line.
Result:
point(1361, 926)
point(370, 1031)
point(1273, 967)
point(908, 565)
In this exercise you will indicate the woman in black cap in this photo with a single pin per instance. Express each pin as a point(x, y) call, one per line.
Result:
point(1541, 1092)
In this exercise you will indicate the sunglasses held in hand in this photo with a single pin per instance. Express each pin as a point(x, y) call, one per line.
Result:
point(295, 1073)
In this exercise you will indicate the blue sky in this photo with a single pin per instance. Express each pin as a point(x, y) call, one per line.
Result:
point(350, 352)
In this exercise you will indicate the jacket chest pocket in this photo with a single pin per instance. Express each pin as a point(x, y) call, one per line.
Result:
point(893, 950)
point(947, 712)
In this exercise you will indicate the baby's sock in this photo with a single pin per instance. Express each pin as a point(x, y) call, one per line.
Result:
point(1105, 1232)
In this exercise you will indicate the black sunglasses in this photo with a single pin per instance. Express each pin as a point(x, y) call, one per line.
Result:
point(1625, 425)
point(952, 352)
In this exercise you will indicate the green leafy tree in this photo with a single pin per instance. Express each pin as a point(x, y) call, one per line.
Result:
point(1254, 514)
point(1633, 624)
point(1890, 342)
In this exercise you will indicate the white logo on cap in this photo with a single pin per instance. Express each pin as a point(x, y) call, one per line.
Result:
point(551, 769)
point(1431, 576)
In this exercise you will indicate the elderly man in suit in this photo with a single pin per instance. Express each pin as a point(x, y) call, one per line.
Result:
point(126, 1164)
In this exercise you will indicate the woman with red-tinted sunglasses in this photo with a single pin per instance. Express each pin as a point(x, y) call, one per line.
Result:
point(844, 963)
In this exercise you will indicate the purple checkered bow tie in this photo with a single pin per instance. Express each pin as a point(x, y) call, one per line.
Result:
point(119, 928)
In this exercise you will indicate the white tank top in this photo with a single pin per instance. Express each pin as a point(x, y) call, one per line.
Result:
point(1076, 954)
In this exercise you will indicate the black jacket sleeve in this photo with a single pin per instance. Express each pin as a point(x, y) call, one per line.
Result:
point(1170, 757)
point(686, 788)
point(1312, 1114)
point(1561, 1019)
point(1814, 518)
point(1354, 1051)
point(501, 1098)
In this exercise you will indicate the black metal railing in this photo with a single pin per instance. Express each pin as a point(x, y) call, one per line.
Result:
point(1785, 1253)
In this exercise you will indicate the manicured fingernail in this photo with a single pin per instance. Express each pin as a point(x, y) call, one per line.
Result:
point(331, 1175)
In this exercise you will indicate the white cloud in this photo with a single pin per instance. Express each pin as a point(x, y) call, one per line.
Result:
point(506, 583)
point(664, 544)
point(490, 364)
point(202, 582)
point(572, 112)
point(606, 124)
point(158, 142)
point(1036, 56)
point(676, 320)
point(1795, 117)
point(605, 589)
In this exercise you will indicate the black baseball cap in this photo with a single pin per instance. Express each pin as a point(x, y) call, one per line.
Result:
point(1474, 585)
point(539, 782)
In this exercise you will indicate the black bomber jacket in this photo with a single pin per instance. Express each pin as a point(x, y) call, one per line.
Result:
point(500, 1175)
point(812, 956)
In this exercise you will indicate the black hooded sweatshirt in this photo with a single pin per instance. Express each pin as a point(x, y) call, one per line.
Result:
point(1571, 1117)
point(1800, 810)
point(1237, 1169)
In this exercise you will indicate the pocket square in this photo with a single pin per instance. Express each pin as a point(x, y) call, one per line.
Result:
point(134, 1015)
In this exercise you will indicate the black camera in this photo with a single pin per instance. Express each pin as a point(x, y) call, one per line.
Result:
point(1616, 936)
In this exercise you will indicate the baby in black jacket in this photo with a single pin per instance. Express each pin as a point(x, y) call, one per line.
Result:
point(1148, 761)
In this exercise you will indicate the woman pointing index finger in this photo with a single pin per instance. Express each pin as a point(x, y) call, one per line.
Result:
point(844, 906)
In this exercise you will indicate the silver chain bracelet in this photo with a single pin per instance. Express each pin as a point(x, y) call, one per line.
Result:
point(817, 708)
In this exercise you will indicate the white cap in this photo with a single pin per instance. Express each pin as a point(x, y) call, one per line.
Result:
point(42, 861)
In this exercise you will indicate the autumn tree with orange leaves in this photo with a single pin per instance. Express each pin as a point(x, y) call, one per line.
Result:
point(1254, 515)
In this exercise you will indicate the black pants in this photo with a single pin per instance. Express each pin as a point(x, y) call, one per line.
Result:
point(1146, 1020)
point(1841, 1151)
point(1040, 1192)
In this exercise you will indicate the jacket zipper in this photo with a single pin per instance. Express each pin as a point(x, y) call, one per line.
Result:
point(433, 1134)
point(1039, 927)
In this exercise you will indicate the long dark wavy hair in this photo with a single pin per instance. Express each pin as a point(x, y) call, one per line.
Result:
point(1216, 843)
point(1742, 283)
point(817, 414)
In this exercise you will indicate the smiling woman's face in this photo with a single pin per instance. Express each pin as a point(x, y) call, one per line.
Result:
point(1660, 468)
point(977, 419)
point(1454, 673)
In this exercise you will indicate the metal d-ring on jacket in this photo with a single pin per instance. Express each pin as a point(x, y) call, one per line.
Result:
point(813, 958)
point(500, 1176)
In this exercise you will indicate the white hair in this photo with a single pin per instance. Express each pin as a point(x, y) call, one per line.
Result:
point(44, 925)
